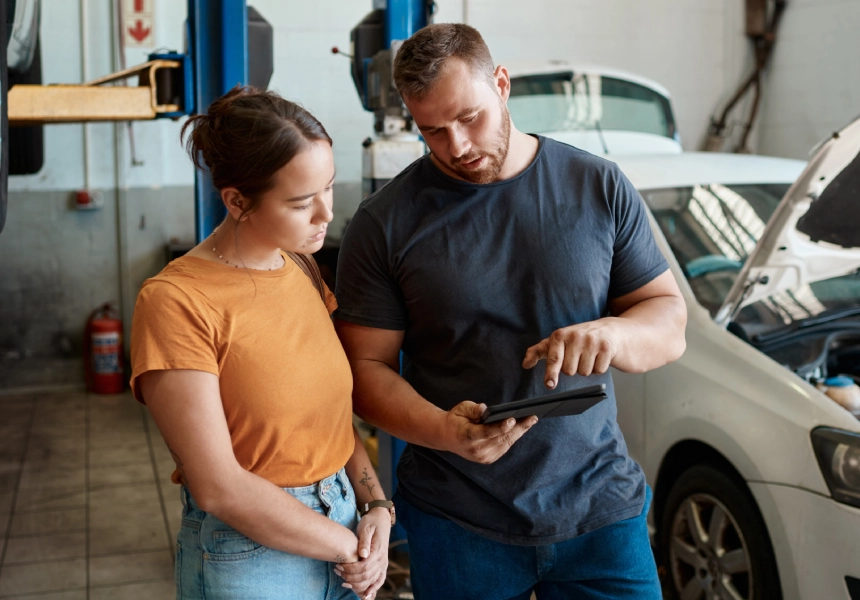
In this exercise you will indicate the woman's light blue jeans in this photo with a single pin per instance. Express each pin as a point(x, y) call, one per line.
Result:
point(216, 562)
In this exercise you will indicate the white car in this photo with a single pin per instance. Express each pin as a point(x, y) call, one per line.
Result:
point(603, 111)
point(755, 471)
point(23, 34)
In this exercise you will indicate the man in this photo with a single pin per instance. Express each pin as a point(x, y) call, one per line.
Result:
point(496, 251)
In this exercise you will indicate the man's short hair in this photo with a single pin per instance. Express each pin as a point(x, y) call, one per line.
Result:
point(421, 59)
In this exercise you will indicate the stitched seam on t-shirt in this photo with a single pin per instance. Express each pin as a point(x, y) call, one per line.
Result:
point(175, 361)
point(442, 176)
point(641, 280)
point(579, 529)
point(644, 279)
point(369, 321)
point(177, 365)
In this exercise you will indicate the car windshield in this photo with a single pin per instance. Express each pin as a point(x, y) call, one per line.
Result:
point(712, 229)
point(586, 102)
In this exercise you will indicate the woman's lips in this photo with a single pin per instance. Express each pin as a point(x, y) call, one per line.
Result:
point(318, 237)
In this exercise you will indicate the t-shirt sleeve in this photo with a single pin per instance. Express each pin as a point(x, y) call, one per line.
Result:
point(168, 331)
point(636, 259)
point(367, 293)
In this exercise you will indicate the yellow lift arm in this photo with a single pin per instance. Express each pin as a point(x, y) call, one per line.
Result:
point(93, 101)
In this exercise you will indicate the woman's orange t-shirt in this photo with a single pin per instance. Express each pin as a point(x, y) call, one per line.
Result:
point(286, 385)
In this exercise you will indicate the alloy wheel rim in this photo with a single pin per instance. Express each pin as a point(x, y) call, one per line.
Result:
point(708, 554)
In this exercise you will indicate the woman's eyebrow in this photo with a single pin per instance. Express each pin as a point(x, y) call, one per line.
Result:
point(306, 196)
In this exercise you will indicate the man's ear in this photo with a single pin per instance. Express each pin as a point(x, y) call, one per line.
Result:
point(503, 82)
point(234, 202)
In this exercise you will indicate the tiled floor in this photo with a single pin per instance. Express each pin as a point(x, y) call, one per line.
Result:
point(87, 509)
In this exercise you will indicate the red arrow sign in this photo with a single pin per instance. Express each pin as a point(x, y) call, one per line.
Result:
point(139, 32)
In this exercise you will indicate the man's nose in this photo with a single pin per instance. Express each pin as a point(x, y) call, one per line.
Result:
point(459, 143)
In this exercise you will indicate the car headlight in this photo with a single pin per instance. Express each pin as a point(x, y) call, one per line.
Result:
point(838, 454)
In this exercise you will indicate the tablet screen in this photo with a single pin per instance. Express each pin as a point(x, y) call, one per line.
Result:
point(573, 402)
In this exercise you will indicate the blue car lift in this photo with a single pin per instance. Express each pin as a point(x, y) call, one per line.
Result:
point(218, 49)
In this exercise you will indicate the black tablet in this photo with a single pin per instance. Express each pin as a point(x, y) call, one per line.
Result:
point(563, 404)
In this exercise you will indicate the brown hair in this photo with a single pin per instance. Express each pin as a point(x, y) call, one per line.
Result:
point(421, 59)
point(248, 134)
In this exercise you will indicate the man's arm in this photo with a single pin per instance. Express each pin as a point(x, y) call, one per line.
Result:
point(383, 398)
point(645, 331)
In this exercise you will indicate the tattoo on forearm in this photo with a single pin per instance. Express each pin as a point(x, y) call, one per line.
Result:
point(339, 559)
point(365, 481)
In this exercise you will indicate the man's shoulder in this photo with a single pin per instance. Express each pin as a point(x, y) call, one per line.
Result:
point(564, 155)
point(396, 189)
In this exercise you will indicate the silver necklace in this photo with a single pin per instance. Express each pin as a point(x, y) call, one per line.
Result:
point(215, 250)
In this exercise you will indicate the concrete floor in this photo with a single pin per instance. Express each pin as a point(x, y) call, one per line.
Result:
point(87, 509)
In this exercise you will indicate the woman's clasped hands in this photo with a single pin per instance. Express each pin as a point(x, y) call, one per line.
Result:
point(366, 575)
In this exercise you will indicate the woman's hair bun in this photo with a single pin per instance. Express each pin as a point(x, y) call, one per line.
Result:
point(247, 135)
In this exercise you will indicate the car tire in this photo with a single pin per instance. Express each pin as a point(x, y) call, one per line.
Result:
point(28, 142)
point(713, 541)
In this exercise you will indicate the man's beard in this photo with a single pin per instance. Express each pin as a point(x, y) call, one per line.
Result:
point(495, 157)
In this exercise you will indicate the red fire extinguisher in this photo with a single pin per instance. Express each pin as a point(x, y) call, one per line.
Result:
point(103, 352)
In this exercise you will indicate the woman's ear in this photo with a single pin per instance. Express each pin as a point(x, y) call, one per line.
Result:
point(234, 201)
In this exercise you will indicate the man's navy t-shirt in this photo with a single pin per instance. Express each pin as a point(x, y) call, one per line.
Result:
point(474, 275)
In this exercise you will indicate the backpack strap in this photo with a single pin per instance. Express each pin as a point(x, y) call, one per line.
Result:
point(307, 264)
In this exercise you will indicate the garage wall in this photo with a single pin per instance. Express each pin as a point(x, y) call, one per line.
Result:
point(813, 86)
point(58, 264)
point(695, 49)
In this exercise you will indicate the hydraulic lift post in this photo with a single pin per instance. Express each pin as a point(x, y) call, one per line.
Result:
point(218, 47)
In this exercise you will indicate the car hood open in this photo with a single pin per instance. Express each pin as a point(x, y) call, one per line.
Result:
point(814, 234)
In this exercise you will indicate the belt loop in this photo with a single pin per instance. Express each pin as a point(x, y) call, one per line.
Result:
point(183, 496)
point(344, 482)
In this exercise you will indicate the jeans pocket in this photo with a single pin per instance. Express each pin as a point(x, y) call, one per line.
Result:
point(232, 545)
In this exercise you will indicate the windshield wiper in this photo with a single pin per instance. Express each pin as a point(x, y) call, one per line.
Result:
point(809, 322)
point(826, 317)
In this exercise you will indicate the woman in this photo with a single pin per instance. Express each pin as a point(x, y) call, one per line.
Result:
point(235, 356)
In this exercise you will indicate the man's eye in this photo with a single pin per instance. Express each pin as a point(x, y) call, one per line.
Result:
point(470, 119)
point(305, 206)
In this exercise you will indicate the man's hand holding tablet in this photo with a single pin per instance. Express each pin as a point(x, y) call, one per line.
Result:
point(573, 402)
point(484, 434)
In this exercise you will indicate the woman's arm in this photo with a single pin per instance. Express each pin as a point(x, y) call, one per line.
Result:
point(362, 476)
point(368, 575)
point(186, 406)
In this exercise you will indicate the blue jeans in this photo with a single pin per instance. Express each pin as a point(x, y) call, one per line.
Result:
point(216, 562)
point(449, 563)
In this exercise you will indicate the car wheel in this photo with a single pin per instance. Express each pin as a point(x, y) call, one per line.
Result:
point(713, 541)
point(27, 154)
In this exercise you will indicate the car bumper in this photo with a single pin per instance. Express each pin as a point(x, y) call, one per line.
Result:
point(816, 541)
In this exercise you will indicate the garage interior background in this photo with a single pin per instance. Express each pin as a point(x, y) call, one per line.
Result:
point(57, 264)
